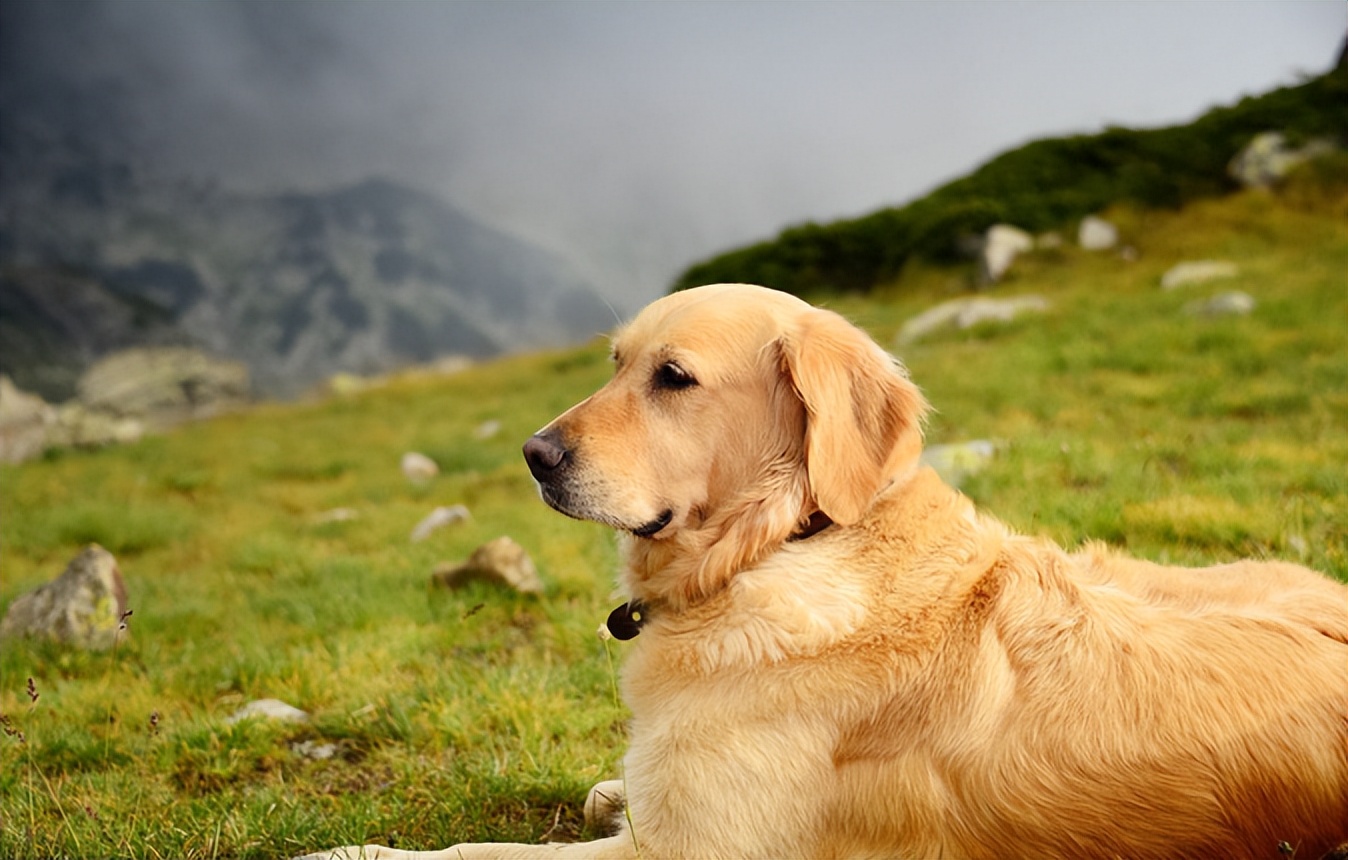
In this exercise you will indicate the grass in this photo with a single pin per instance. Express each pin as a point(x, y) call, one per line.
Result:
point(482, 715)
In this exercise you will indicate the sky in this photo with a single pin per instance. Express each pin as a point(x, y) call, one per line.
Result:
point(635, 138)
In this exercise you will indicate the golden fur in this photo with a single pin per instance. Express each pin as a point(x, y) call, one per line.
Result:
point(914, 680)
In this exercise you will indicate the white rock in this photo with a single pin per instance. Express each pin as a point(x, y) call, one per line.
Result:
point(314, 750)
point(1097, 234)
point(966, 313)
point(1196, 272)
point(1232, 304)
point(487, 429)
point(1001, 244)
point(419, 467)
point(438, 519)
point(268, 709)
point(957, 462)
point(336, 515)
point(1267, 158)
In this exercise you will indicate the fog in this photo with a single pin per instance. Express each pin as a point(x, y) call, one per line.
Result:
point(636, 138)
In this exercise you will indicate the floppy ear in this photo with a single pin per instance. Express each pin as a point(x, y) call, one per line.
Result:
point(864, 415)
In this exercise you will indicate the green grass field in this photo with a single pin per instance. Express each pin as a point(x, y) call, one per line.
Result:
point(483, 715)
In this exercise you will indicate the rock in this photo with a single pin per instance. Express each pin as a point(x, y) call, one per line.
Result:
point(345, 384)
point(487, 429)
point(1267, 159)
point(165, 384)
point(1196, 272)
point(313, 750)
point(957, 462)
point(438, 519)
point(268, 709)
point(500, 561)
point(335, 515)
point(419, 467)
point(25, 423)
point(83, 607)
point(1001, 244)
point(1097, 234)
point(966, 313)
point(82, 427)
point(1234, 303)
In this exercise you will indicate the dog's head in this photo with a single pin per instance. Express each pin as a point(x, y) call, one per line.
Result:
point(735, 413)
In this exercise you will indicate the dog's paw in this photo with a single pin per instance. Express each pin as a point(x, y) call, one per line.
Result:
point(347, 852)
point(604, 803)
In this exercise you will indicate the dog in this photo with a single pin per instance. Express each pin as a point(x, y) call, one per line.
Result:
point(837, 657)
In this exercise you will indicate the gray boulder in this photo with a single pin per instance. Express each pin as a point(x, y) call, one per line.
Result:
point(83, 607)
point(165, 384)
point(500, 562)
point(25, 423)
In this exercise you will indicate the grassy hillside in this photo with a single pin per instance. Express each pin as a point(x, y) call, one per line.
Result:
point(1043, 185)
point(484, 715)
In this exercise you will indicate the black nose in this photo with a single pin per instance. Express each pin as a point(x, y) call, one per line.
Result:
point(545, 453)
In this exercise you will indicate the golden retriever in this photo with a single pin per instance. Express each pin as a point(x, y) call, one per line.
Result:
point(838, 657)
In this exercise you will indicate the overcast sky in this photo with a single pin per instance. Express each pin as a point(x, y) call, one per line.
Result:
point(637, 137)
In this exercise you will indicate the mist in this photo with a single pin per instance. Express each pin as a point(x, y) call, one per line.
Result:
point(634, 139)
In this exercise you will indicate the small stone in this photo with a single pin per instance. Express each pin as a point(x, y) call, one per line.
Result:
point(84, 606)
point(268, 709)
point(418, 467)
point(959, 461)
point(487, 429)
point(314, 750)
point(336, 515)
point(966, 313)
point(1097, 234)
point(1197, 272)
point(500, 561)
point(438, 519)
point(1232, 304)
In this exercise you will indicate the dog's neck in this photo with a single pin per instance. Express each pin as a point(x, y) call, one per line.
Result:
point(685, 569)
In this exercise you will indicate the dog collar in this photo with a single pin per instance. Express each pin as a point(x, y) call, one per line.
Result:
point(625, 621)
point(818, 522)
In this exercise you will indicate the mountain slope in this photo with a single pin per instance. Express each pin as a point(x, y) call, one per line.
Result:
point(1039, 186)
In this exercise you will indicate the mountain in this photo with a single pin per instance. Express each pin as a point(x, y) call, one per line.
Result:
point(1042, 185)
point(98, 252)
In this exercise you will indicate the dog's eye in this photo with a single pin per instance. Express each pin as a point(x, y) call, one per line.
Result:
point(670, 377)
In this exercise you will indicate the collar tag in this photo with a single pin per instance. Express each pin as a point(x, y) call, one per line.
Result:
point(625, 621)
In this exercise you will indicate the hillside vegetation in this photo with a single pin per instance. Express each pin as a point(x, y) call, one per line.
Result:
point(1043, 185)
point(485, 715)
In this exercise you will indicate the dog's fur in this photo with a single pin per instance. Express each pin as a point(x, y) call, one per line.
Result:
point(914, 680)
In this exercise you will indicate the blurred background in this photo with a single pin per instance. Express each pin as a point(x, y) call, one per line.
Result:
point(308, 188)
